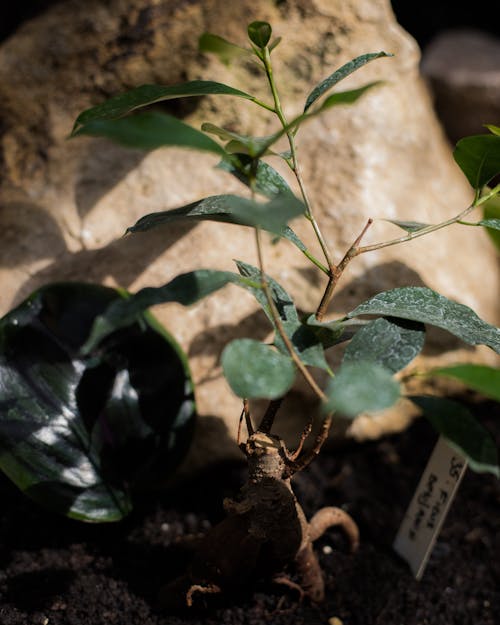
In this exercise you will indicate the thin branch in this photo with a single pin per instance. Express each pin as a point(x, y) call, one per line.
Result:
point(414, 235)
point(279, 326)
point(339, 270)
point(294, 164)
point(309, 456)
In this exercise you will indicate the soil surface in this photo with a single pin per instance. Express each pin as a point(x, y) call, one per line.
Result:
point(54, 571)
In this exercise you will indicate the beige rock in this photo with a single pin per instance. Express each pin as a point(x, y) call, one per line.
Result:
point(65, 204)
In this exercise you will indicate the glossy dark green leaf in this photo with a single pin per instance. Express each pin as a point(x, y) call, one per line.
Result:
point(408, 226)
point(462, 431)
point(185, 289)
point(78, 435)
point(427, 306)
point(479, 158)
point(392, 343)
point(481, 378)
point(305, 342)
point(148, 131)
point(224, 49)
point(215, 208)
point(260, 33)
point(340, 74)
point(255, 370)
point(361, 387)
point(268, 181)
point(346, 97)
point(125, 103)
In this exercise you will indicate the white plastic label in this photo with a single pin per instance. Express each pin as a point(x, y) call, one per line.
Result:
point(429, 506)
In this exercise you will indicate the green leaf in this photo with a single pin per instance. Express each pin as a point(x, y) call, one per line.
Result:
point(347, 97)
point(491, 211)
point(245, 143)
point(305, 342)
point(462, 431)
point(329, 333)
point(340, 74)
point(76, 434)
point(259, 33)
point(253, 369)
point(268, 181)
point(479, 158)
point(274, 44)
point(392, 343)
point(336, 99)
point(494, 224)
point(493, 129)
point(427, 306)
point(148, 131)
point(185, 289)
point(408, 226)
point(225, 50)
point(272, 216)
point(222, 208)
point(125, 103)
point(481, 378)
point(361, 387)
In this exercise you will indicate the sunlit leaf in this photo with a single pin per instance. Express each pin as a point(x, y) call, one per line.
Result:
point(125, 103)
point(481, 378)
point(427, 306)
point(225, 50)
point(493, 129)
point(462, 431)
point(148, 131)
point(361, 387)
point(392, 343)
point(250, 145)
point(340, 74)
point(346, 97)
point(76, 434)
point(254, 370)
point(408, 226)
point(227, 209)
point(479, 158)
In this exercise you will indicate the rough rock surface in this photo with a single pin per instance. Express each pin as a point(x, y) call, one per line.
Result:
point(463, 69)
point(65, 204)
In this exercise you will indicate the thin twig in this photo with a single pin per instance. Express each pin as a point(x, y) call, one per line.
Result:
point(339, 270)
point(310, 455)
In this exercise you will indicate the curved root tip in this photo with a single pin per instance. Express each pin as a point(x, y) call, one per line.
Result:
point(331, 517)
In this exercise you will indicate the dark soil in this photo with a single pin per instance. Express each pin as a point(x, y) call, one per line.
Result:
point(54, 571)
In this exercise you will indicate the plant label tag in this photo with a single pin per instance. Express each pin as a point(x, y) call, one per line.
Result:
point(429, 506)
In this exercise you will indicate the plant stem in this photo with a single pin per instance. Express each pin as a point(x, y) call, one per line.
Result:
point(294, 164)
point(419, 233)
point(279, 326)
point(339, 270)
